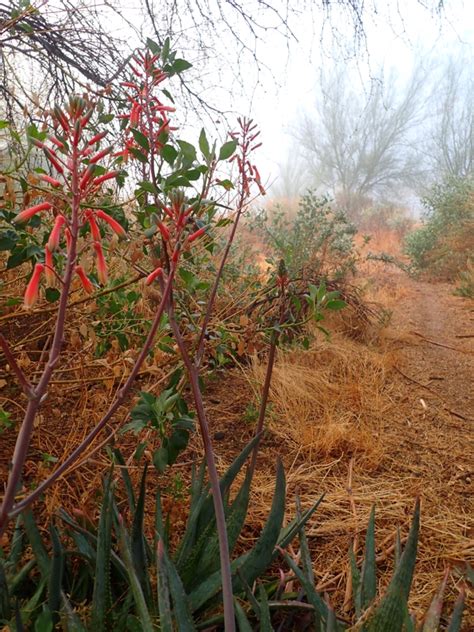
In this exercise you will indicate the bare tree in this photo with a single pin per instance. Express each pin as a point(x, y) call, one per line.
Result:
point(61, 45)
point(450, 148)
point(358, 143)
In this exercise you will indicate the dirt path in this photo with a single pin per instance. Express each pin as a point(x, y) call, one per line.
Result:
point(436, 361)
point(440, 350)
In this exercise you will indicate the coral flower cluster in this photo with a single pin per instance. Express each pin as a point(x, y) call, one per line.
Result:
point(74, 157)
point(147, 114)
point(147, 131)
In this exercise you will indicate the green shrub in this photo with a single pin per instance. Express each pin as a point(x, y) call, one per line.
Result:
point(443, 245)
point(318, 241)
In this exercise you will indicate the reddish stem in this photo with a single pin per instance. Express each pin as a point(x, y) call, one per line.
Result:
point(193, 373)
point(38, 392)
point(112, 409)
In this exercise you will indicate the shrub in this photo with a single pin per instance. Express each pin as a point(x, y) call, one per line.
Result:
point(443, 245)
point(316, 242)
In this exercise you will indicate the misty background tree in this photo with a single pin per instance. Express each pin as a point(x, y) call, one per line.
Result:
point(358, 142)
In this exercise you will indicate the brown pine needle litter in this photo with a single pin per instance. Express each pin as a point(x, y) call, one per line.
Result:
point(340, 402)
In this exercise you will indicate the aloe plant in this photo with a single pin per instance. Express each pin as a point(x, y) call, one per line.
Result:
point(131, 582)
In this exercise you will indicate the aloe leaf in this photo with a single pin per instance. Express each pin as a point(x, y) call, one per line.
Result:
point(253, 563)
point(260, 557)
point(56, 575)
point(456, 618)
point(288, 534)
point(206, 513)
point(242, 621)
point(191, 534)
point(71, 621)
point(5, 611)
point(101, 597)
point(390, 614)
point(355, 574)
point(304, 548)
point(332, 624)
point(181, 605)
point(138, 543)
point(265, 617)
point(36, 542)
point(250, 596)
point(44, 621)
point(15, 581)
point(433, 614)
point(25, 613)
point(368, 579)
point(16, 548)
point(86, 543)
point(312, 595)
point(138, 596)
point(126, 480)
point(164, 605)
point(204, 558)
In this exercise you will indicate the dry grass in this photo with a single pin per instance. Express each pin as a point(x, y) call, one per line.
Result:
point(339, 402)
point(330, 400)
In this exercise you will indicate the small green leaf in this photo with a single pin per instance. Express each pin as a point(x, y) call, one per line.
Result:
point(149, 187)
point(160, 459)
point(335, 304)
point(153, 46)
point(52, 294)
point(138, 155)
point(169, 154)
point(180, 65)
point(204, 145)
point(227, 149)
point(106, 118)
point(226, 184)
point(188, 150)
point(141, 139)
point(4, 124)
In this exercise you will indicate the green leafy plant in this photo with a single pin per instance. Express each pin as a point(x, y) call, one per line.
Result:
point(314, 241)
point(443, 245)
point(168, 416)
point(125, 578)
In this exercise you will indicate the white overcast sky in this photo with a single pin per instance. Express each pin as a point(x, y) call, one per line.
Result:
point(396, 37)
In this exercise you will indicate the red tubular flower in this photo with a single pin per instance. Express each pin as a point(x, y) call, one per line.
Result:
point(95, 232)
point(100, 155)
point(155, 274)
point(29, 212)
point(61, 118)
point(97, 138)
point(37, 143)
point(86, 177)
point(197, 234)
point(50, 180)
point(53, 159)
point(165, 233)
point(106, 176)
point(68, 235)
point(86, 282)
point(135, 114)
point(101, 265)
point(54, 237)
point(56, 141)
point(114, 225)
point(49, 266)
point(32, 289)
point(130, 84)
